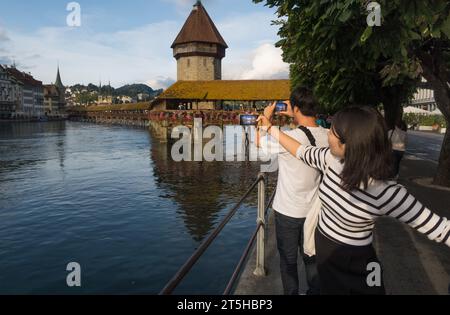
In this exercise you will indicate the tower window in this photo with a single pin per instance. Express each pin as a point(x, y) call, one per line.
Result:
point(189, 62)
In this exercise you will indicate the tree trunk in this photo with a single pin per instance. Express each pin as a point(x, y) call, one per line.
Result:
point(392, 112)
point(392, 106)
point(442, 97)
point(435, 73)
point(442, 177)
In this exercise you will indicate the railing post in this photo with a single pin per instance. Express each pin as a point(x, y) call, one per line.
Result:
point(260, 269)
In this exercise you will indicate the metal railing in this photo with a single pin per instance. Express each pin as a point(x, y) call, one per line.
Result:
point(258, 235)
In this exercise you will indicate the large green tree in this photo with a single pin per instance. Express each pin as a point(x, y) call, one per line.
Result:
point(332, 49)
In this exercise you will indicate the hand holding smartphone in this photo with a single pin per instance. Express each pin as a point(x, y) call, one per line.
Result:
point(281, 107)
point(248, 120)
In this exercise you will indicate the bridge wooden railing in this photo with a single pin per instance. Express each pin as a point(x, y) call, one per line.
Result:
point(171, 117)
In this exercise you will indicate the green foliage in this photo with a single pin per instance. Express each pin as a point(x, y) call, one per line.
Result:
point(86, 98)
point(131, 90)
point(425, 120)
point(332, 49)
point(134, 89)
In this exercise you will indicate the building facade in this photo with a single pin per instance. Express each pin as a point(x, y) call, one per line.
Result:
point(104, 100)
point(33, 95)
point(424, 99)
point(11, 95)
point(54, 105)
point(55, 98)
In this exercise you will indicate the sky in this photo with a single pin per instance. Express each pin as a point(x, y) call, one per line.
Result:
point(128, 42)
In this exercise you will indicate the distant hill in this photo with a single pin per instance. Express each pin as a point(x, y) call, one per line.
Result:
point(135, 89)
point(131, 90)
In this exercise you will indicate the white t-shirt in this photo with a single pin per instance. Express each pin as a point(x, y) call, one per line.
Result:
point(298, 184)
point(398, 138)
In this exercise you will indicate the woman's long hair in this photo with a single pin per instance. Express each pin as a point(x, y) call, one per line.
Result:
point(368, 150)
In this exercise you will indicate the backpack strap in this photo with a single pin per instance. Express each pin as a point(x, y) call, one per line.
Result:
point(309, 134)
point(312, 141)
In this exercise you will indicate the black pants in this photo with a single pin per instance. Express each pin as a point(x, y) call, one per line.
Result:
point(289, 240)
point(397, 157)
point(343, 268)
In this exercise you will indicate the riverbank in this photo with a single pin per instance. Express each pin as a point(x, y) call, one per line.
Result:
point(31, 120)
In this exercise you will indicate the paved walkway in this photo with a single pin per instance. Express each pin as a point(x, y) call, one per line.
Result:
point(412, 264)
point(425, 145)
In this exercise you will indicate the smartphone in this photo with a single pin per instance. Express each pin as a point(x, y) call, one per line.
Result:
point(248, 120)
point(281, 107)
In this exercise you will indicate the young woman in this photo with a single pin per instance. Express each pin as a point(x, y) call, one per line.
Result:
point(355, 191)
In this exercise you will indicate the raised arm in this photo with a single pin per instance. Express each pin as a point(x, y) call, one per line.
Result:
point(406, 208)
point(291, 145)
point(314, 157)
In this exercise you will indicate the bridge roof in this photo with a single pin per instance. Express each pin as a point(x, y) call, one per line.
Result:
point(232, 90)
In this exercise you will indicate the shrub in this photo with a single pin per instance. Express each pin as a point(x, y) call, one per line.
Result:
point(425, 120)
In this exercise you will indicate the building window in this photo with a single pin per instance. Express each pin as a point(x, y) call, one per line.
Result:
point(189, 62)
point(204, 62)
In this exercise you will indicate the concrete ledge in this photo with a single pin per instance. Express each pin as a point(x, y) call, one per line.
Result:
point(425, 128)
point(428, 182)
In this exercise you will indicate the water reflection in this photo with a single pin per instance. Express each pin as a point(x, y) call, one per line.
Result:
point(34, 143)
point(202, 189)
point(112, 199)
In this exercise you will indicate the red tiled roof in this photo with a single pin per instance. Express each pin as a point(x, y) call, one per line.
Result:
point(199, 27)
point(23, 77)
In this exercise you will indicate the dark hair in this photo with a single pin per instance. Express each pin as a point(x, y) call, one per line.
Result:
point(368, 150)
point(303, 98)
point(401, 124)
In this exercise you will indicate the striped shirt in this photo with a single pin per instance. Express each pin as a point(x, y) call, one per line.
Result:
point(349, 217)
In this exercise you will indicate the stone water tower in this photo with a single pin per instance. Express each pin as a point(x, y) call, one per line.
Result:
point(199, 48)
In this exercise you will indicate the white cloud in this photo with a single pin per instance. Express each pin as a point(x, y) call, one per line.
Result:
point(267, 63)
point(188, 3)
point(142, 54)
point(183, 7)
point(4, 39)
point(181, 3)
point(122, 57)
point(160, 83)
point(3, 36)
point(252, 40)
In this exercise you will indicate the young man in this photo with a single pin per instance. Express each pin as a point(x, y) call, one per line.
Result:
point(297, 189)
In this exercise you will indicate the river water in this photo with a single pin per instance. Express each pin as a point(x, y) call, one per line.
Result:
point(111, 199)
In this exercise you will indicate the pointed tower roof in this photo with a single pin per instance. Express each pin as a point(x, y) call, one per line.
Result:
point(199, 27)
point(58, 81)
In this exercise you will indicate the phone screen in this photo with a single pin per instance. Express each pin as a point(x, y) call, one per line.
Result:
point(248, 120)
point(281, 107)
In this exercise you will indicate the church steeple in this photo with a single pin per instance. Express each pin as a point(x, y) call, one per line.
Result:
point(58, 81)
